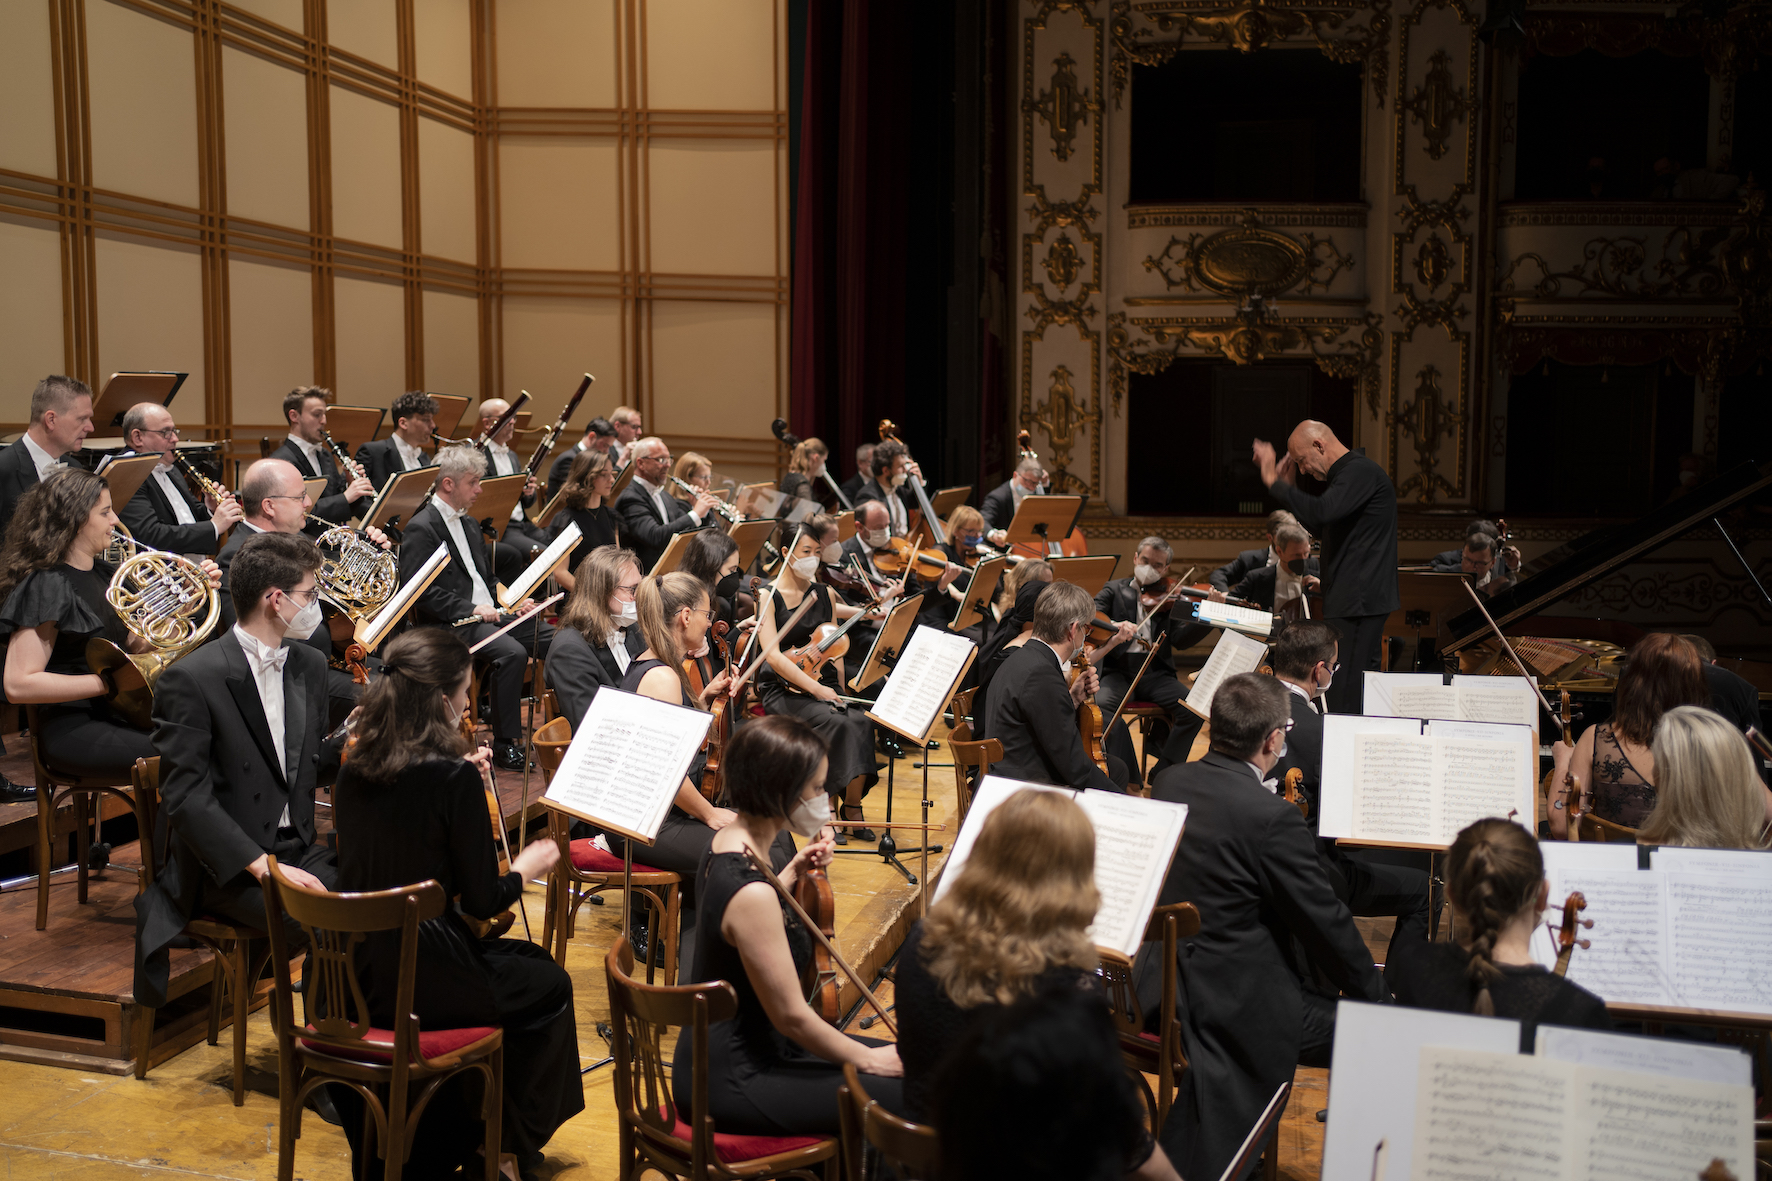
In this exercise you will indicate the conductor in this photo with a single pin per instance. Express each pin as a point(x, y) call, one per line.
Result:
point(1356, 516)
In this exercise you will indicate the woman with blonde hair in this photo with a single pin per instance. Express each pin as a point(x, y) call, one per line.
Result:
point(599, 633)
point(1013, 924)
point(1707, 795)
point(805, 473)
point(695, 470)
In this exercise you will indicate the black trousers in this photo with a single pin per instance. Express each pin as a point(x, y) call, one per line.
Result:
point(1362, 639)
point(500, 665)
point(242, 899)
point(1159, 687)
point(83, 738)
point(1376, 883)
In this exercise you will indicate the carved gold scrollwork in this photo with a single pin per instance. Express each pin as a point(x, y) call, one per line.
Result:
point(1425, 418)
point(1248, 260)
point(1437, 103)
point(1063, 414)
point(1689, 265)
point(1433, 264)
point(1063, 105)
point(1063, 264)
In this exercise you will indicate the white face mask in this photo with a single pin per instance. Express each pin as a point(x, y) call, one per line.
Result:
point(876, 538)
point(304, 623)
point(833, 553)
point(1144, 575)
point(625, 613)
point(810, 815)
point(454, 714)
point(1324, 687)
point(806, 568)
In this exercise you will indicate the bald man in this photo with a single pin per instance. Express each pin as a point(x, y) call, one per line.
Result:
point(164, 513)
point(1356, 516)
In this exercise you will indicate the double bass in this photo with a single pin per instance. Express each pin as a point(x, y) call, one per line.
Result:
point(889, 430)
point(1074, 546)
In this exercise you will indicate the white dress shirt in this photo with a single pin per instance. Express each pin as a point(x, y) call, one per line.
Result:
point(666, 505)
point(505, 463)
point(1315, 703)
point(452, 521)
point(311, 451)
point(46, 463)
point(267, 674)
point(898, 520)
point(1287, 586)
point(618, 648)
point(411, 458)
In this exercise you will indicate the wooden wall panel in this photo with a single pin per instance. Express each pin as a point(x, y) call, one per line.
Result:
point(443, 40)
point(550, 343)
point(713, 206)
point(367, 28)
point(713, 375)
point(559, 204)
point(556, 53)
point(710, 55)
point(452, 343)
point(27, 90)
point(150, 316)
point(267, 139)
point(272, 347)
point(365, 169)
point(287, 13)
point(141, 79)
point(446, 190)
point(30, 307)
point(369, 325)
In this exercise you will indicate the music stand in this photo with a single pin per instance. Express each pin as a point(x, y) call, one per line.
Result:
point(126, 476)
point(523, 417)
point(450, 409)
point(372, 630)
point(845, 525)
point(750, 536)
point(1042, 522)
point(400, 497)
point(123, 390)
point(947, 500)
point(888, 642)
point(552, 507)
point(1429, 602)
point(315, 487)
point(1091, 572)
point(542, 569)
point(757, 500)
point(623, 478)
point(498, 496)
point(353, 426)
point(673, 553)
point(978, 593)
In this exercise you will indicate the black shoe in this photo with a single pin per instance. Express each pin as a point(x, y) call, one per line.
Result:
point(320, 1103)
point(640, 939)
point(860, 834)
point(16, 793)
point(507, 755)
point(890, 746)
point(842, 837)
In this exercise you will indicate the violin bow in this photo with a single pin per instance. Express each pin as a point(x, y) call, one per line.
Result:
point(1514, 656)
point(541, 606)
point(752, 664)
point(831, 948)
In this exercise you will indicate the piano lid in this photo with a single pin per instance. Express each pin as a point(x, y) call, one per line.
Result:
point(1596, 554)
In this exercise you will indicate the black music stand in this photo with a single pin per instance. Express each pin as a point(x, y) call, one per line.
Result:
point(1042, 522)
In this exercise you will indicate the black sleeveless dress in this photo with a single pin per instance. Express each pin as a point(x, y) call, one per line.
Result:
point(760, 1082)
point(1621, 794)
point(848, 735)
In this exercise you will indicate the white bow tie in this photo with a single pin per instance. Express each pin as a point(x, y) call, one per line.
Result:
point(275, 661)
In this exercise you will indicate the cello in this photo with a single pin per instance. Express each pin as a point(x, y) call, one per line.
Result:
point(889, 430)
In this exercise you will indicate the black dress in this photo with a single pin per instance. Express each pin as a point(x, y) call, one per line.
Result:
point(760, 1082)
point(81, 737)
point(432, 824)
point(1432, 976)
point(848, 735)
point(1621, 794)
point(599, 527)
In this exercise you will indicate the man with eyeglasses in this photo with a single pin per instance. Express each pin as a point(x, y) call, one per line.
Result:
point(164, 513)
point(1254, 1010)
point(650, 516)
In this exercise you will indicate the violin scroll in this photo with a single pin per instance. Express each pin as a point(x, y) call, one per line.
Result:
point(1567, 941)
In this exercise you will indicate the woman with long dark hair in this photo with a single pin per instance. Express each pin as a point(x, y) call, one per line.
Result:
point(410, 806)
point(584, 499)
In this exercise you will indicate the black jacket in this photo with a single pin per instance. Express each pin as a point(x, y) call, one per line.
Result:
point(1249, 864)
point(224, 783)
point(577, 669)
point(380, 459)
point(18, 475)
point(527, 500)
point(562, 467)
point(1028, 709)
point(151, 521)
point(870, 489)
point(1356, 516)
point(451, 596)
point(331, 504)
point(1449, 559)
point(1234, 571)
point(1304, 750)
point(999, 506)
point(648, 533)
point(1258, 585)
point(852, 486)
point(1118, 600)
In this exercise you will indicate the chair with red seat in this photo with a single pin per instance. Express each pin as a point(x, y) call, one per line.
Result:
point(584, 870)
point(396, 1071)
point(655, 1132)
point(1159, 1053)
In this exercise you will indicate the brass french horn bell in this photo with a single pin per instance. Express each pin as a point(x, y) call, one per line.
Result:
point(165, 600)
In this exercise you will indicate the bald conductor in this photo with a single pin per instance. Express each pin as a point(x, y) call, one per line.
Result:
point(1356, 516)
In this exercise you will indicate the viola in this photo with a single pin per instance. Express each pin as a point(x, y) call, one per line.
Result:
point(812, 890)
point(1291, 789)
point(720, 729)
point(1566, 940)
point(498, 924)
point(901, 555)
point(1089, 727)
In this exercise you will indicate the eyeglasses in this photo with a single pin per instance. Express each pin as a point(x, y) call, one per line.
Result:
point(285, 496)
point(163, 433)
point(629, 591)
point(707, 611)
point(1288, 726)
point(309, 596)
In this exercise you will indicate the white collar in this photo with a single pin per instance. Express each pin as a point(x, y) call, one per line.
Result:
point(306, 447)
point(1259, 777)
point(448, 511)
point(655, 489)
point(406, 449)
point(39, 456)
point(256, 650)
point(1051, 649)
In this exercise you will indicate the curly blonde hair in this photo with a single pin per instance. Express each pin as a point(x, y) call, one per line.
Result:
point(1021, 904)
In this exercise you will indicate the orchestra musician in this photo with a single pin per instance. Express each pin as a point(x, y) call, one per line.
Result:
point(872, 542)
point(1033, 713)
point(1356, 516)
point(695, 470)
point(1133, 603)
point(626, 421)
point(412, 808)
point(1496, 884)
point(599, 436)
point(712, 556)
point(1282, 585)
point(346, 492)
point(52, 584)
point(1452, 558)
point(1021, 590)
point(163, 513)
point(585, 500)
point(965, 530)
point(774, 1068)
point(1002, 501)
point(1732, 695)
point(815, 698)
point(1708, 794)
point(650, 516)
point(1477, 559)
point(599, 633)
point(524, 537)
point(463, 589)
point(1250, 865)
point(61, 418)
point(1235, 570)
point(891, 468)
point(806, 468)
point(240, 726)
point(415, 420)
point(864, 468)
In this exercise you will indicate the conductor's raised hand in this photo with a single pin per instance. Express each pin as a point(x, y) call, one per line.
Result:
point(1266, 460)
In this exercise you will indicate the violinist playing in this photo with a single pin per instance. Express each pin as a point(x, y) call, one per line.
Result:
point(1144, 602)
point(1000, 505)
point(965, 530)
point(1282, 586)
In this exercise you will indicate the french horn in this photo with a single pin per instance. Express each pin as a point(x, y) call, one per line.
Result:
point(165, 600)
point(356, 575)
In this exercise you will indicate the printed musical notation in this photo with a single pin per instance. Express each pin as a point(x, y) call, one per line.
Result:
point(1424, 790)
point(626, 762)
point(918, 688)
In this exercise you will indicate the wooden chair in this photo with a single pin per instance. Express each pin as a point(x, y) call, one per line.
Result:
point(585, 870)
point(1159, 1053)
point(87, 794)
point(912, 1151)
point(960, 705)
point(654, 1130)
point(1593, 828)
point(236, 967)
point(1145, 715)
point(974, 755)
point(406, 1064)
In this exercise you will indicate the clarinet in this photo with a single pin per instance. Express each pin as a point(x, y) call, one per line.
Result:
point(345, 464)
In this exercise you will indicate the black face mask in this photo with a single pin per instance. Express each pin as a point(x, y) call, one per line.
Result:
point(727, 587)
point(1296, 565)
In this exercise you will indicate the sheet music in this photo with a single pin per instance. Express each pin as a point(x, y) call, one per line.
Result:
point(626, 762)
point(402, 598)
point(1644, 1127)
point(1497, 699)
point(1393, 787)
point(1623, 963)
point(1490, 1117)
point(1646, 1055)
point(1380, 688)
point(1752, 862)
point(991, 791)
point(1135, 840)
point(1234, 653)
point(1719, 941)
point(542, 566)
point(919, 685)
point(1425, 701)
point(1229, 615)
point(1477, 780)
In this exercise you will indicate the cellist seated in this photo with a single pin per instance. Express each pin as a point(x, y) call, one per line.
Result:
point(774, 1069)
point(1033, 713)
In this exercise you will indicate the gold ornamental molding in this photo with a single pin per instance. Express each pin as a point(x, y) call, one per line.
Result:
point(1063, 106)
point(1248, 260)
point(1150, 32)
point(1425, 418)
point(1350, 215)
point(1515, 214)
point(1687, 266)
point(1436, 104)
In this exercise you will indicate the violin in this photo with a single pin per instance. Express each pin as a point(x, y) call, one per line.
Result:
point(828, 643)
point(1089, 727)
point(901, 555)
point(720, 729)
point(1291, 789)
point(1566, 940)
point(498, 924)
point(812, 890)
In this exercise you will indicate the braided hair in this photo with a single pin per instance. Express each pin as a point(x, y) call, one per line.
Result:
point(1494, 871)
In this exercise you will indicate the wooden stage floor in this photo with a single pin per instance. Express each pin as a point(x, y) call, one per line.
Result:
point(86, 1124)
